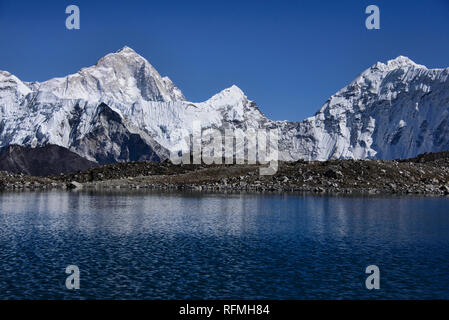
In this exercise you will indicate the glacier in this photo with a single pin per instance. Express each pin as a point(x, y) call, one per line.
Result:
point(122, 109)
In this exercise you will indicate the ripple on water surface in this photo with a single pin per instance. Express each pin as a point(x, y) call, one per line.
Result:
point(212, 246)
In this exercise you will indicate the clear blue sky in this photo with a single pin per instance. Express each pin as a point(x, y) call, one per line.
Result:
point(288, 56)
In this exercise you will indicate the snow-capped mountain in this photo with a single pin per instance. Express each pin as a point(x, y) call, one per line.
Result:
point(121, 109)
point(394, 110)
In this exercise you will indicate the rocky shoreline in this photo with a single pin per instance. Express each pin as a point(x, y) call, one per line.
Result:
point(426, 174)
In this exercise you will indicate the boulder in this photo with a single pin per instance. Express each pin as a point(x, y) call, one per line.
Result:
point(74, 185)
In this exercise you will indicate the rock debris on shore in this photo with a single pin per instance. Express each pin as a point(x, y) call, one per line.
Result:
point(426, 174)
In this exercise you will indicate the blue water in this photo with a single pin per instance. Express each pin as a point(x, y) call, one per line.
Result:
point(191, 246)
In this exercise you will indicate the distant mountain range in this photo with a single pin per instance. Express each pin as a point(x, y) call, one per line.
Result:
point(122, 109)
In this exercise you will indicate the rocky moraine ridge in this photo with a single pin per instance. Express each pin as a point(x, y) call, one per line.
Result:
point(427, 174)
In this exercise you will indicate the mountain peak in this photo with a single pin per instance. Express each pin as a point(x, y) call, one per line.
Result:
point(393, 64)
point(398, 62)
point(120, 77)
point(126, 49)
point(233, 93)
point(402, 61)
point(234, 90)
point(125, 55)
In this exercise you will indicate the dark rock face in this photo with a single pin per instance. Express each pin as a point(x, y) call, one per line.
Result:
point(113, 140)
point(42, 161)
